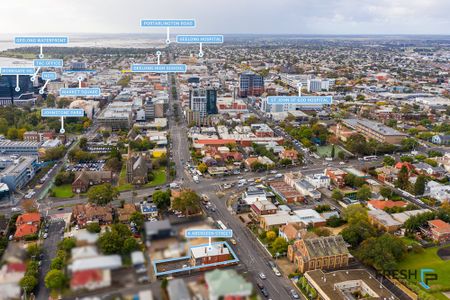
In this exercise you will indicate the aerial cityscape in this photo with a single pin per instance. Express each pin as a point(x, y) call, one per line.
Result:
point(237, 150)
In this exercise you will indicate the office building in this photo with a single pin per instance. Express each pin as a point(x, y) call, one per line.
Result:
point(8, 94)
point(19, 147)
point(203, 102)
point(19, 173)
point(118, 115)
point(317, 85)
point(250, 84)
point(149, 108)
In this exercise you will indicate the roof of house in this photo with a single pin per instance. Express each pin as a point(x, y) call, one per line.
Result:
point(154, 227)
point(97, 262)
point(382, 204)
point(25, 229)
point(440, 226)
point(28, 217)
point(203, 251)
point(326, 246)
point(16, 267)
point(81, 278)
point(177, 289)
point(227, 283)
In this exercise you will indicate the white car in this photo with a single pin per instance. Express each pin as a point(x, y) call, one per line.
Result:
point(45, 235)
point(262, 275)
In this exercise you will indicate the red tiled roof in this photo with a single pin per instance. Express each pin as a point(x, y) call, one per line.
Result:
point(81, 278)
point(25, 229)
point(382, 204)
point(440, 226)
point(28, 217)
point(16, 268)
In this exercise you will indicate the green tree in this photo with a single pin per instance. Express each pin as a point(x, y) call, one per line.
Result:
point(388, 161)
point(138, 219)
point(337, 195)
point(409, 144)
point(403, 178)
point(102, 194)
point(332, 151)
point(382, 252)
point(356, 143)
point(271, 235)
point(129, 245)
point(431, 162)
point(67, 244)
point(83, 143)
point(110, 242)
point(341, 155)
point(354, 213)
point(419, 186)
point(161, 199)
point(358, 231)
point(188, 202)
point(364, 193)
point(93, 227)
point(285, 162)
point(279, 245)
point(386, 192)
point(55, 280)
point(202, 167)
point(28, 283)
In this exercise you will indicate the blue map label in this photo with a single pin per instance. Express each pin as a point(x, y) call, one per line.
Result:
point(208, 233)
point(17, 71)
point(48, 76)
point(41, 40)
point(195, 39)
point(168, 23)
point(305, 100)
point(153, 68)
point(48, 63)
point(75, 92)
point(61, 112)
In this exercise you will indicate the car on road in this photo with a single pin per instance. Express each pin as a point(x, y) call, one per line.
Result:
point(275, 270)
point(264, 292)
point(294, 294)
point(45, 235)
point(16, 209)
point(262, 275)
point(233, 241)
point(260, 285)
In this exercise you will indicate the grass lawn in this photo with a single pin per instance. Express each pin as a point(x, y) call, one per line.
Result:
point(160, 178)
point(63, 191)
point(325, 151)
point(429, 259)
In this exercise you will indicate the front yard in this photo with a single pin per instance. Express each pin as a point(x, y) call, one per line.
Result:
point(62, 191)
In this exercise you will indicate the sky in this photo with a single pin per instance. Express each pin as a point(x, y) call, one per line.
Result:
point(229, 16)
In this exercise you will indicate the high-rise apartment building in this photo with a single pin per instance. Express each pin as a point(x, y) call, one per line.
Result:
point(250, 84)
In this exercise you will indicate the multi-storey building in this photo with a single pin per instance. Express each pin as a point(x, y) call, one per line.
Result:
point(376, 131)
point(250, 84)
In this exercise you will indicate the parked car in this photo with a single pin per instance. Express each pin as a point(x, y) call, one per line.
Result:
point(262, 275)
point(294, 294)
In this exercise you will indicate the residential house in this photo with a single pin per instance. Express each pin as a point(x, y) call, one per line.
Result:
point(124, 213)
point(286, 192)
point(227, 284)
point(319, 181)
point(383, 220)
point(337, 176)
point(263, 207)
point(206, 255)
point(293, 231)
point(291, 154)
point(383, 204)
point(27, 224)
point(149, 210)
point(439, 230)
point(426, 169)
point(85, 179)
point(83, 214)
point(438, 191)
point(319, 253)
point(10, 275)
point(157, 230)
point(178, 290)
point(90, 279)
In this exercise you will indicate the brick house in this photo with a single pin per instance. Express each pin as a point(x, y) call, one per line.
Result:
point(86, 179)
point(440, 230)
point(82, 214)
